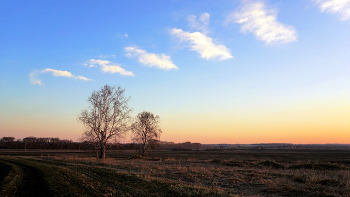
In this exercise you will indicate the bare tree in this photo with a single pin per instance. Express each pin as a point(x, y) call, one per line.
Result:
point(106, 117)
point(146, 130)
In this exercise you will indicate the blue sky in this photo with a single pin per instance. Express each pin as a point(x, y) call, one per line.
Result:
point(214, 71)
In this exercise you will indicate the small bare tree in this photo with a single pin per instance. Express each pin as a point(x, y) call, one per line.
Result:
point(106, 117)
point(146, 130)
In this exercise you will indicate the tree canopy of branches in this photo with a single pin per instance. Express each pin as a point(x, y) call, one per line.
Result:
point(146, 130)
point(107, 116)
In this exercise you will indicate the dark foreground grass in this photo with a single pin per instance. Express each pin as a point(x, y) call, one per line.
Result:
point(173, 173)
point(21, 176)
point(238, 177)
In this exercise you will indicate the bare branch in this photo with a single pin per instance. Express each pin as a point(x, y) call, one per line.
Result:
point(146, 129)
point(107, 116)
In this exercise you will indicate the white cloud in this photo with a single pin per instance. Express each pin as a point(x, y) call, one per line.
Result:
point(203, 44)
point(205, 18)
point(255, 18)
point(106, 56)
point(34, 80)
point(61, 73)
point(203, 26)
point(199, 41)
point(122, 35)
point(107, 66)
point(341, 7)
point(82, 78)
point(57, 73)
point(157, 60)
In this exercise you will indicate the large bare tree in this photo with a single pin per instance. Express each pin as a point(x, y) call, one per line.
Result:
point(146, 129)
point(107, 116)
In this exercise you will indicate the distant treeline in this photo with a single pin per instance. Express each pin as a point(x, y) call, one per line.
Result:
point(41, 143)
point(56, 143)
point(179, 146)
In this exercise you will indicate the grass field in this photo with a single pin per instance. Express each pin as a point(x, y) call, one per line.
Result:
point(176, 173)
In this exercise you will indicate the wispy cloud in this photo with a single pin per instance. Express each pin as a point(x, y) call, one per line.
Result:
point(34, 80)
point(255, 18)
point(199, 41)
point(341, 7)
point(161, 61)
point(57, 73)
point(202, 25)
point(61, 73)
point(203, 44)
point(106, 56)
point(122, 35)
point(107, 66)
point(82, 78)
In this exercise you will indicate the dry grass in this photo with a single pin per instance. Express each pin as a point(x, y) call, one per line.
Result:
point(28, 176)
point(239, 177)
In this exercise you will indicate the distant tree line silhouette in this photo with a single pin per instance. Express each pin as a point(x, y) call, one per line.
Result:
point(38, 143)
point(179, 146)
point(64, 144)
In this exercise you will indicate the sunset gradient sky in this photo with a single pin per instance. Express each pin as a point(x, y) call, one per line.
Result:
point(232, 72)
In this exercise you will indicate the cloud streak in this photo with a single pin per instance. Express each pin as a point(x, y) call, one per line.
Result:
point(202, 44)
point(57, 73)
point(106, 56)
point(107, 66)
point(34, 80)
point(255, 18)
point(161, 61)
point(61, 73)
point(199, 41)
point(341, 7)
point(203, 26)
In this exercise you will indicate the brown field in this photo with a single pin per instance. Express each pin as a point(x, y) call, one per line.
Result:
point(226, 172)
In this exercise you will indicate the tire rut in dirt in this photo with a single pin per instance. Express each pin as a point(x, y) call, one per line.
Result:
point(5, 169)
point(33, 183)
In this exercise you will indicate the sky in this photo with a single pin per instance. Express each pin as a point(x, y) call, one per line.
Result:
point(226, 71)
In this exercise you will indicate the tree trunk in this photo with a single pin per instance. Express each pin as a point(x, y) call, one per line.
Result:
point(143, 150)
point(102, 152)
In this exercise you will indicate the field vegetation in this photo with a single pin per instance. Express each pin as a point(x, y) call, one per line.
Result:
point(178, 173)
point(25, 176)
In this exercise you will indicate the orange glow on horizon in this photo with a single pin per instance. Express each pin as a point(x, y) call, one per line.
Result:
point(302, 123)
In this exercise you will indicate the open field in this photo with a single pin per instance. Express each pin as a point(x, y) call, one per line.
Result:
point(176, 173)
